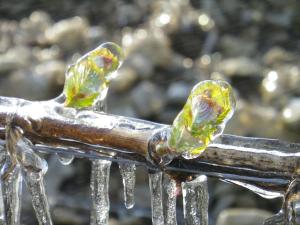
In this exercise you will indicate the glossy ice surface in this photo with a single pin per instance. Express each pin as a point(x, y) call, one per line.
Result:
point(87, 80)
point(204, 116)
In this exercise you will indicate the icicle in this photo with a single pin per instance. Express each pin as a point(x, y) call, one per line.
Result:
point(2, 210)
point(65, 159)
point(169, 200)
point(291, 203)
point(195, 201)
point(155, 183)
point(33, 170)
point(99, 192)
point(35, 185)
point(11, 179)
point(11, 190)
point(127, 171)
point(277, 219)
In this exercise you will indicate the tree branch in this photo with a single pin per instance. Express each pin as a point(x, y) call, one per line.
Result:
point(266, 163)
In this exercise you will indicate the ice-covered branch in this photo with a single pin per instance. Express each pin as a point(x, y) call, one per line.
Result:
point(254, 162)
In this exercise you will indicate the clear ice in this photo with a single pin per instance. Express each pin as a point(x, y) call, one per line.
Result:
point(169, 200)
point(155, 183)
point(99, 192)
point(127, 171)
point(32, 167)
point(65, 159)
point(203, 118)
point(33, 170)
point(11, 191)
point(195, 201)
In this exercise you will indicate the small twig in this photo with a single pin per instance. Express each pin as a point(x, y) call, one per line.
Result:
point(267, 163)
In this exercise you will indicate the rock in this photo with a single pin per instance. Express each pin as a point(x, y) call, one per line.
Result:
point(120, 105)
point(96, 35)
point(33, 28)
point(178, 92)
point(142, 65)
point(233, 46)
point(64, 215)
point(240, 66)
point(277, 55)
point(129, 14)
point(69, 34)
point(28, 85)
point(147, 99)
point(275, 85)
point(280, 19)
point(54, 71)
point(15, 58)
point(8, 30)
point(153, 45)
point(46, 54)
point(243, 216)
point(255, 120)
point(124, 80)
point(291, 114)
point(168, 115)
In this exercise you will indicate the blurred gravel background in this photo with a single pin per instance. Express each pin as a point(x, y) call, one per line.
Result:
point(170, 46)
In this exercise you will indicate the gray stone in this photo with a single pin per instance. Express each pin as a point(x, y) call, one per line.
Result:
point(54, 71)
point(143, 66)
point(28, 85)
point(120, 105)
point(234, 46)
point(124, 80)
point(281, 19)
point(178, 92)
point(291, 113)
point(241, 66)
point(277, 55)
point(147, 99)
point(243, 216)
point(33, 28)
point(69, 34)
point(14, 59)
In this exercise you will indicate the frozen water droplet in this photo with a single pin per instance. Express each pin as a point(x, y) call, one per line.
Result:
point(65, 159)
point(127, 171)
point(99, 192)
point(169, 200)
point(195, 201)
point(155, 183)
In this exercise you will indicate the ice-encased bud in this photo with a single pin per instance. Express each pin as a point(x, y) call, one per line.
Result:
point(87, 80)
point(208, 108)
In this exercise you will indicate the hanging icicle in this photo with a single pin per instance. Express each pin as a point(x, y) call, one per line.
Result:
point(99, 192)
point(23, 159)
point(169, 200)
point(33, 170)
point(127, 171)
point(195, 201)
point(155, 183)
point(11, 191)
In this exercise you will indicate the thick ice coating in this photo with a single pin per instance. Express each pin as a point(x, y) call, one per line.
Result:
point(87, 80)
point(208, 108)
